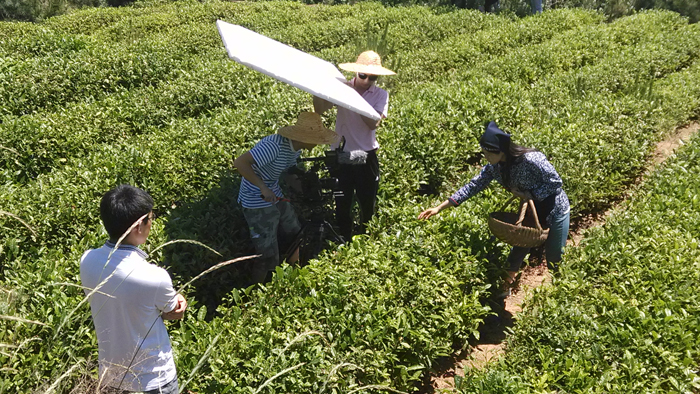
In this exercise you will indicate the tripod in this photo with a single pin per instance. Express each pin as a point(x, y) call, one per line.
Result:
point(311, 238)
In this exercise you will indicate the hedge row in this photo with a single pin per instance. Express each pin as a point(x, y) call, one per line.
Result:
point(441, 60)
point(624, 314)
point(89, 70)
point(47, 68)
point(200, 87)
point(53, 67)
point(604, 146)
point(58, 137)
point(377, 311)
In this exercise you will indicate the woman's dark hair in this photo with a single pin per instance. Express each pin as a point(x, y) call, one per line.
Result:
point(514, 154)
point(495, 140)
point(121, 207)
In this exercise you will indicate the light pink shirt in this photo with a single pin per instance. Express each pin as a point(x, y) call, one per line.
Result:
point(349, 124)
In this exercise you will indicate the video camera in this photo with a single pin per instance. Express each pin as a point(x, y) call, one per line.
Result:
point(316, 188)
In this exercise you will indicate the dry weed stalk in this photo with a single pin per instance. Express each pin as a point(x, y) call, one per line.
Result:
point(334, 370)
point(216, 267)
point(78, 286)
point(268, 381)
point(113, 371)
point(58, 381)
point(21, 345)
point(200, 362)
point(12, 215)
point(9, 150)
point(187, 241)
point(21, 320)
point(304, 335)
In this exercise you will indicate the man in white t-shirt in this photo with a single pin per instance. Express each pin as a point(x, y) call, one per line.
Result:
point(131, 300)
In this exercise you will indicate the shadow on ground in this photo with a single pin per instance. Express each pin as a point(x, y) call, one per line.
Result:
point(216, 221)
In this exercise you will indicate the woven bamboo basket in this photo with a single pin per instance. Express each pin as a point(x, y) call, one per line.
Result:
point(518, 229)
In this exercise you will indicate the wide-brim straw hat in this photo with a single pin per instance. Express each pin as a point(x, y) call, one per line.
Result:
point(309, 129)
point(367, 63)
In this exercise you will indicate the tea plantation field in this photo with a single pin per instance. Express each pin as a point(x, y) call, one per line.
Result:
point(146, 95)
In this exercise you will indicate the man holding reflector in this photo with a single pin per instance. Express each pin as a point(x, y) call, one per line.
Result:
point(361, 105)
point(360, 178)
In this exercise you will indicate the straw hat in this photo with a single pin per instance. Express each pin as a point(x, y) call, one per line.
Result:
point(367, 63)
point(309, 129)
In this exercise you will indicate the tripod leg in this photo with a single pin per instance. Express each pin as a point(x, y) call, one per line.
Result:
point(295, 244)
point(335, 237)
point(311, 240)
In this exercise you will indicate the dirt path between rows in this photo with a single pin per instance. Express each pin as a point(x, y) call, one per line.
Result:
point(491, 345)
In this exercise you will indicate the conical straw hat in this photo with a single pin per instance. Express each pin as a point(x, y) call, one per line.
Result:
point(309, 129)
point(367, 63)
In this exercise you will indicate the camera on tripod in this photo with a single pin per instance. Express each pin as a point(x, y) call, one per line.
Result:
point(316, 188)
point(316, 192)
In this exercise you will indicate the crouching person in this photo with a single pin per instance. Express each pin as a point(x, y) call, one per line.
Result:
point(131, 300)
point(266, 212)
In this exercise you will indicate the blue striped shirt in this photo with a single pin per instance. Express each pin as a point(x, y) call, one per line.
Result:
point(273, 155)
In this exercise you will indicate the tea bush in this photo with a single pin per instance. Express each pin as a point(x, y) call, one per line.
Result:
point(375, 312)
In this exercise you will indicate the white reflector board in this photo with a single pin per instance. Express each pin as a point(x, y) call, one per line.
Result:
point(292, 66)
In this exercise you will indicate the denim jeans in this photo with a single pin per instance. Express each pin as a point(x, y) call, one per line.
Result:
point(553, 246)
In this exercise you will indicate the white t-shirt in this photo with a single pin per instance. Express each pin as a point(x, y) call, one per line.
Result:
point(139, 293)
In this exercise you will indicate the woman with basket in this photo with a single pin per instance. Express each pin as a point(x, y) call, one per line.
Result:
point(528, 175)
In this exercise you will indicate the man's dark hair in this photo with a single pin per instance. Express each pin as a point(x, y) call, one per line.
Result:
point(121, 207)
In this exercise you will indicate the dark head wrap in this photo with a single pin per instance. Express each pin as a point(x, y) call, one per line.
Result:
point(494, 139)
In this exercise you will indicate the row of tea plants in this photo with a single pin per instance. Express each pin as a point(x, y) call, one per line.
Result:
point(167, 112)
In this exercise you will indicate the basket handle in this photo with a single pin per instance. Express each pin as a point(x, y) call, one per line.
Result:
point(523, 210)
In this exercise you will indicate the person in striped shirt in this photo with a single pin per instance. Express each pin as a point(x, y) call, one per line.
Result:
point(264, 207)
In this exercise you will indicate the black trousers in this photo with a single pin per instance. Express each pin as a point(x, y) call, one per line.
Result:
point(357, 182)
point(491, 5)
